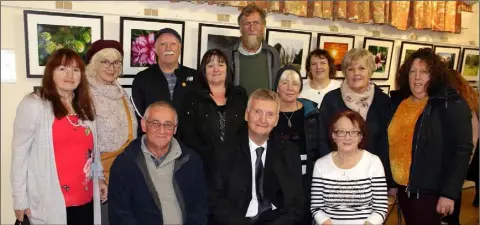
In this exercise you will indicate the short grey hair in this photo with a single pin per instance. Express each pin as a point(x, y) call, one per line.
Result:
point(251, 8)
point(162, 104)
point(358, 54)
point(264, 94)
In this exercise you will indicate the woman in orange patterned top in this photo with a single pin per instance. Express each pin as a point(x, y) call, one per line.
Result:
point(430, 139)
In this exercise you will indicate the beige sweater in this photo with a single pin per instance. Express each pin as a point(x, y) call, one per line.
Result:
point(110, 115)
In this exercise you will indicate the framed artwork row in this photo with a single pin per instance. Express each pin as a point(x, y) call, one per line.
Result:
point(47, 31)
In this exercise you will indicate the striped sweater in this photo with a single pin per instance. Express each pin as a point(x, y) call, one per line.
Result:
point(349, 196)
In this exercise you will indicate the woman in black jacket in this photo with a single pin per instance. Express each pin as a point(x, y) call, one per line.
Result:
point(212, 114)
point(430, 138)
point(298, 123)
point(359, 94)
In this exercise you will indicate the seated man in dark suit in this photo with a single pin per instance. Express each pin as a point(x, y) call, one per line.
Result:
point(259, 180)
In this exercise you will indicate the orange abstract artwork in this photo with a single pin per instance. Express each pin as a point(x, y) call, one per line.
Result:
point(337, 51)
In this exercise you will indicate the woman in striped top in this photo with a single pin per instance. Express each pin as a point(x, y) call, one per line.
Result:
point(348, 185)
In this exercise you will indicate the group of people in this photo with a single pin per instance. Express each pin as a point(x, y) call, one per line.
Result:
point(240, 140)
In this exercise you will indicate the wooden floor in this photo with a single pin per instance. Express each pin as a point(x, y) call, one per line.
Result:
point(468, 214)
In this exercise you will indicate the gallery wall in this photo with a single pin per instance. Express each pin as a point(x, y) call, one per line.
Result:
point(12, 37)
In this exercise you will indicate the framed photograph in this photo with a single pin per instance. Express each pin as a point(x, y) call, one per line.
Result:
point(137, 39)
point(128, 89)
point(407, 48)
point(215, 36)
point(469, 64)
point(337, 46)
point(382, 50)
point(385, 88)
point(292, 46)
point(46, 32)
point(449, 55)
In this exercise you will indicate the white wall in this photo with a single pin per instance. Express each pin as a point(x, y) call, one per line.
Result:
point(12, 37)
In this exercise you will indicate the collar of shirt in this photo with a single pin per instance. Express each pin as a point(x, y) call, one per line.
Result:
point(174, 151)
point(253, 148)
point(243, 51)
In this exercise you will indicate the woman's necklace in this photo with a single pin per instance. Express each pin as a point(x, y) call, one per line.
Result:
point(289, 121)
point(80, 123)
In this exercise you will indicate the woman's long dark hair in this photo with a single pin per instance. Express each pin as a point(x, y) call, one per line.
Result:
point(81, 103)
point(209, 56)
point(438, 72)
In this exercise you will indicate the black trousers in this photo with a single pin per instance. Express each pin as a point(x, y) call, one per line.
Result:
point(80, 215)
point(419, 211)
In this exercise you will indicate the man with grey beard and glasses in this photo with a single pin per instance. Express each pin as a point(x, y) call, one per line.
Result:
point(254, 62)
point(167, 80)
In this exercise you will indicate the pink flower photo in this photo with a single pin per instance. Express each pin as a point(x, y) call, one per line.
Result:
point(143, 48)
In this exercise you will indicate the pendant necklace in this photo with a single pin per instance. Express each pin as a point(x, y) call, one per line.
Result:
point(289, 122)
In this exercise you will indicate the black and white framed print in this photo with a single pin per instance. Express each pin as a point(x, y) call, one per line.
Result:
point(128, 89)
point(450, 55)
point(407, 48)
point(382, 50)
point(137, 39)
point(292, 46)
point(469, 64)
point(337, 46)
point(385, 88)
point(46, 32)
point(212, 36)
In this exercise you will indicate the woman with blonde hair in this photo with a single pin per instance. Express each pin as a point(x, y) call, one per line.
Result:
point(114, 113)
point(359, 94)
point(56, 174)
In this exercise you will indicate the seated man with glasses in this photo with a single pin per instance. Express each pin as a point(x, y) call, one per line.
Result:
point(158, 180)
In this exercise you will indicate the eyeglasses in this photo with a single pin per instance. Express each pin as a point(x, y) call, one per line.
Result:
point(107, 64)
point(157, 124)
point(343, 133)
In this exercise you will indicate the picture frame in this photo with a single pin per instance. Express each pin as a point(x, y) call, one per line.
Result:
point(448, 54)
point(137, 39)
point(215, 36)
point(46, 32)
point(385, 88)
point(128, 89)
point(337, 46)
point(382, 50)
point(469, 64)
point(408, 48)
point(292, 46)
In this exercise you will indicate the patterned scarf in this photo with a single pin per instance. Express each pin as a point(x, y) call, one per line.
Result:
point(357, 102)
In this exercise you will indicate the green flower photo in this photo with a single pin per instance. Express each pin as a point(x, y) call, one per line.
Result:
point(53, 37)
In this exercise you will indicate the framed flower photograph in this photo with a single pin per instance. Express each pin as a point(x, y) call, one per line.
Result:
point(212, 36)
point(46, 32)
point(382, 50)
point(137, 38)
point(337, 46)
point(292, 46)
point(407, 48)
point(469, 64)
point(450, 55)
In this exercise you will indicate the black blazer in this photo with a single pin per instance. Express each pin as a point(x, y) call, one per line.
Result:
point(378, 117)
point(198, 124)
point(150, 85)
point(231, 189)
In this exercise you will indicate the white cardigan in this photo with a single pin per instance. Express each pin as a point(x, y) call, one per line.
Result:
point(34, 176)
